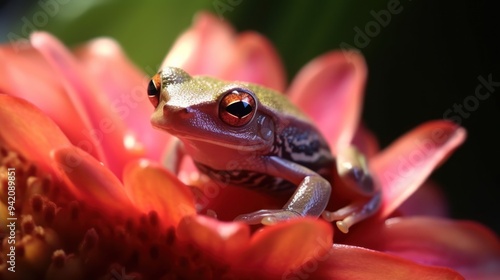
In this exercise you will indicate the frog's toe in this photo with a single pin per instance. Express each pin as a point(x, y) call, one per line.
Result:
point(353, 213)
point(267, 217)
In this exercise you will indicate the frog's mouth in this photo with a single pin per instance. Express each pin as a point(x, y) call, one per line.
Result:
point(193, 140)
point(206, 133)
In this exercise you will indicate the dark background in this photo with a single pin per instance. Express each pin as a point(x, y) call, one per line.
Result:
point(424, 61)
point(427, 59)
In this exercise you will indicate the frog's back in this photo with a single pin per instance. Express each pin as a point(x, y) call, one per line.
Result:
point(278, 103)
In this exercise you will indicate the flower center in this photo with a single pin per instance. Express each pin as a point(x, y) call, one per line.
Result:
point(57, 236)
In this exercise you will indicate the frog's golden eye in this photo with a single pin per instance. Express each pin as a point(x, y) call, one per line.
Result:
point(237, 108)
point(154, 89)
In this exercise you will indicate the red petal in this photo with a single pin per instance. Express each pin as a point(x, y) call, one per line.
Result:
point(152, 188)
point(211, 47)
point(204, 48)
point(407, 163)
point(230, 201)
point(355, 263)
point(221, 240)
point(26, 74)
point(89, 180)
point(254, 60)
point(118, 144)
point(466, 247)
point(28, 131)
point(277, 249)
point(125, 85)
point(330, 90)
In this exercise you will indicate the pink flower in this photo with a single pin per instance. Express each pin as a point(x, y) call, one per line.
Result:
point(92, 200)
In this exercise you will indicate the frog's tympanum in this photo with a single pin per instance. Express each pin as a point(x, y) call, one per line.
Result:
point(250, 136)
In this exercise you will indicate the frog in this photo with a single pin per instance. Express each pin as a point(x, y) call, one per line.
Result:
point(246, 135)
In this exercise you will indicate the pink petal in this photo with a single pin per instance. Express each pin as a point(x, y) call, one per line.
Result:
point(125, 86)
point(87, 179)
point(28, 131)
point(254, 60)
point(278, 249)
point(119, 144)
point(354, 263)
point(203, 49)
point(407, 163)
point(26, 74)
point(211, 47)
point(152, 188)
point(221, 240)
point(464, 246)
point(330, 90)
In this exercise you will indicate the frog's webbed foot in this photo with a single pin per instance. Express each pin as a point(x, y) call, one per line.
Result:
point(354, 212)
point(267, 217)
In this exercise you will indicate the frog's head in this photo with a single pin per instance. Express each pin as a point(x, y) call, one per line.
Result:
point(209, 111)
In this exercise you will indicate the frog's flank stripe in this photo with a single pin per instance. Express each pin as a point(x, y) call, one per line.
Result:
point(306, 148)
point(245, 178)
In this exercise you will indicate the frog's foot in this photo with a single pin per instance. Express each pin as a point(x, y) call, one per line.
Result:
point(354, 212)
point(267, 217)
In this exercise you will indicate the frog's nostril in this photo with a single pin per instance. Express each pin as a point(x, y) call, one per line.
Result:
point(170, 111)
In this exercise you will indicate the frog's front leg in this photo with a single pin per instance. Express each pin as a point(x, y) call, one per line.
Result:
point(309, 199)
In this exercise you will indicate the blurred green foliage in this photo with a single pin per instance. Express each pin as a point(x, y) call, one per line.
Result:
point(147, 29)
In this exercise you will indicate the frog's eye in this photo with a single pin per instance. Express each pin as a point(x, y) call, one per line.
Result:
point(237, 108)
point(154, 90)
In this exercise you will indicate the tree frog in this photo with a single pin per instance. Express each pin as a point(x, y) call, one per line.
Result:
point(246, 135)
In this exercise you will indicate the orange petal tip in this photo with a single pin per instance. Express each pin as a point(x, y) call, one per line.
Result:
point(152, 188)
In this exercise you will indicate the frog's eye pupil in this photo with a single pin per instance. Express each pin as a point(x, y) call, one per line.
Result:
point(154, 90)
point(237, 108)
